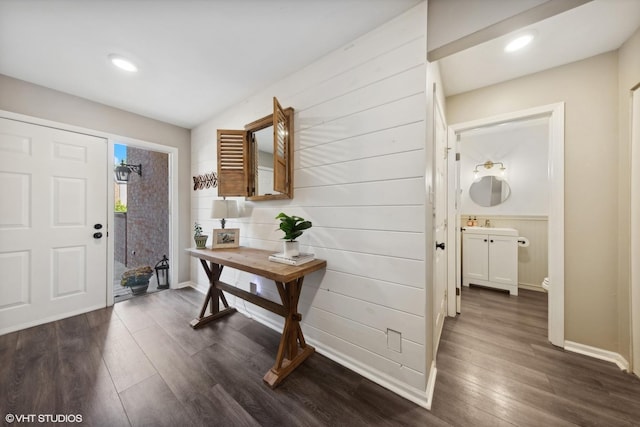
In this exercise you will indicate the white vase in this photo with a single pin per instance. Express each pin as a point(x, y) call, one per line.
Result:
point(291, 249)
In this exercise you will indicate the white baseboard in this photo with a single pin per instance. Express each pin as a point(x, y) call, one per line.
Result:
point(422, 398)
point(187, 284)
point(419, 397)
point(431, 384)
point(597, 353)
point(537, 288)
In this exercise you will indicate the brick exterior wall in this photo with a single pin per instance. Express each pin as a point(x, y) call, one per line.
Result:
point(147, 208)
point(120, 239)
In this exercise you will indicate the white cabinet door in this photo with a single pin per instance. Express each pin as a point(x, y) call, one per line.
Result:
point(54, 189)
point(503, 260)
point(491, 259)
point(475, 262)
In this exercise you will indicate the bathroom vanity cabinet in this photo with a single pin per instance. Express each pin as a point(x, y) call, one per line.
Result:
point(490, 258)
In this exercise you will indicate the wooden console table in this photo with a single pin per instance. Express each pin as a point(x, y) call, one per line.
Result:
point(288, 281)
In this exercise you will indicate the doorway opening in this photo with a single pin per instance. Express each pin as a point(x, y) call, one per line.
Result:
point(141, 221)
point(547, 224)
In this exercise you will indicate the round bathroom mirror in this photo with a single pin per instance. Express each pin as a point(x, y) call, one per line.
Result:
point(489, 191)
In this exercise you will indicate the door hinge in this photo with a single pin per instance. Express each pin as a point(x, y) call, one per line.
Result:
point(457, 292)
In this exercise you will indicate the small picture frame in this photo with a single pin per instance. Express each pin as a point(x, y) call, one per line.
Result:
point(225, 238)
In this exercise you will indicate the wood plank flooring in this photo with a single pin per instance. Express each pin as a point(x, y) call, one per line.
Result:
point(496, 367)
point(140, 364)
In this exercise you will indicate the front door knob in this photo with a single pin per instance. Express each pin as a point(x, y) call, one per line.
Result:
point(440, 245)
point(97, 235)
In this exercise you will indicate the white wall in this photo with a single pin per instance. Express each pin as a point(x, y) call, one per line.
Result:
point(628, 78)
point(359, 174)
point(523, 148)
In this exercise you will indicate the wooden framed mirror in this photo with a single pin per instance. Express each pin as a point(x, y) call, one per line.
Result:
point(257, 162)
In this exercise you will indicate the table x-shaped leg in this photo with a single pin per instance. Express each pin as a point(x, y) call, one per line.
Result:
point(213, 297)
point(289, 354)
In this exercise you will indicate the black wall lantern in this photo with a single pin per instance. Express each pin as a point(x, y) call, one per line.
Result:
point(123, 170)
point(162, 273)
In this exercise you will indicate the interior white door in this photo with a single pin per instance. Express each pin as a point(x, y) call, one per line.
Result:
point(53, 245)
point(440, 264)
point(635, 232)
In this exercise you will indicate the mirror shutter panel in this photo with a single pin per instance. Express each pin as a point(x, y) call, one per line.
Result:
point(233, 163)
point(280, 148)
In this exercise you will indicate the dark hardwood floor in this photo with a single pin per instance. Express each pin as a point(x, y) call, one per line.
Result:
point(496, 367)
point(139, 363)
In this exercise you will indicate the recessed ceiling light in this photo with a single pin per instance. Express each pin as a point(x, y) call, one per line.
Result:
point(123, 63)
point(519, 42)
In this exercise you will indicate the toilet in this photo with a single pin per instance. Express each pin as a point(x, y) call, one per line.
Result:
point(545, 284)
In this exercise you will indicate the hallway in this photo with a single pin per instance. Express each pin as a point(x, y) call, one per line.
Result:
point(496, 367)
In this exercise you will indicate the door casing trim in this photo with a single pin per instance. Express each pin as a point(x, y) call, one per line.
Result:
point(555, 113)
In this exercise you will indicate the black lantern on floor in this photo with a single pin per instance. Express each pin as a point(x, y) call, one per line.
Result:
point(162, 273)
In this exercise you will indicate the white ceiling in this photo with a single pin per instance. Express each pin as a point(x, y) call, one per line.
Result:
point(587, 30)
point(197, 57)
point(450, 20)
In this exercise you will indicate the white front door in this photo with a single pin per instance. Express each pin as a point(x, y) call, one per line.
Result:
point(53, 261)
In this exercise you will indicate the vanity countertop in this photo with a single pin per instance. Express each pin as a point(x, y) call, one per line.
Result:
point(497, 231)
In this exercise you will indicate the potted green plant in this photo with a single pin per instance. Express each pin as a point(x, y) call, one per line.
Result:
point(137, 279)
point(293, 227)
point(200, 239)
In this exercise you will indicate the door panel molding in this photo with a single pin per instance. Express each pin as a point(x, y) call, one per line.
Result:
point(65, 269)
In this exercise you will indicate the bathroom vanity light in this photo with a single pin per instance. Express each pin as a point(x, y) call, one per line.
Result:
point(488, 165)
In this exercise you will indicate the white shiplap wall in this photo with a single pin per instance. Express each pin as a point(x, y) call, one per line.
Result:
point(359, 173)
